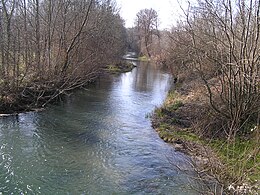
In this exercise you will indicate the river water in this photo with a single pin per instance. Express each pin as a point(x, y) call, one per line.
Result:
point(98, 141)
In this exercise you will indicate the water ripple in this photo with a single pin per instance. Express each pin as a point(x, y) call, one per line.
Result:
point(99, 141)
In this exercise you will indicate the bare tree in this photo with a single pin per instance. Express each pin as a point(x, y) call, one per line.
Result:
point(220, 42)
point(8, 8)
point(147, 25)
point(49, 47)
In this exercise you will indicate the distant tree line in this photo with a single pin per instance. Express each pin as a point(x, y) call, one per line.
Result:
point(48, 47)
point(144, 37)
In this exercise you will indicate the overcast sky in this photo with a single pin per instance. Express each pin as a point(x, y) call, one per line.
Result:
point(168, 10)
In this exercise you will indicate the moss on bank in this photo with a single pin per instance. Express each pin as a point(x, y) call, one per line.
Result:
point(235, 165)
point(120, 67)
point(143, 58)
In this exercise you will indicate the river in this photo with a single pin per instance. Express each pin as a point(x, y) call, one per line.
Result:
point(98, 141)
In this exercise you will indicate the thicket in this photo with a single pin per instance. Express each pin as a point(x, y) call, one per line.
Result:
point(49, 47)
point(218, 42)
point(214, 52)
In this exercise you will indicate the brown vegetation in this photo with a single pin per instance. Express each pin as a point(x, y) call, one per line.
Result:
point(219, 42)
point(50, 47)
point(214, 53)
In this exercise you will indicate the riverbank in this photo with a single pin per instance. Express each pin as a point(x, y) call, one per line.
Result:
point(119, 67)
point(98, 141)
point(232, 168)
point(37, 94)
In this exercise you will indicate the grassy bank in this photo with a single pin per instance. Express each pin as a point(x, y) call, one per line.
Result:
point(233, 165)
point(143, 58)
point(120, 67)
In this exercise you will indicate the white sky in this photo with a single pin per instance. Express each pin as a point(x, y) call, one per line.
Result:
point(168, 10)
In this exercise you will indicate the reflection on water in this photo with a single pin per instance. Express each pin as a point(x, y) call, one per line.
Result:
point(99, 141)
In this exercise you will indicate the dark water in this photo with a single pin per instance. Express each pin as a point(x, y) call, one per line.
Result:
point(99, 141)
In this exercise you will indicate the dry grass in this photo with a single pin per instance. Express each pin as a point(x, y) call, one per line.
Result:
point(187, 120)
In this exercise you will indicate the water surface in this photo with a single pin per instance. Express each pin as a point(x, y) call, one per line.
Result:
point(99, 141)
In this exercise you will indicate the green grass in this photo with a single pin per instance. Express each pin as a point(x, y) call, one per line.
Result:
point(168, 131)
point(143, 58)
point(185, 135)
point(113, 68)
point(120, 68)
point(159, 112)
point(171, 104)
point(173, 101)
point(172, 95)
point(175, 106)
point(241, 157)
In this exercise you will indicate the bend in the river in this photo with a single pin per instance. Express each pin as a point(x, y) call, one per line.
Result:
point(99, 141)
